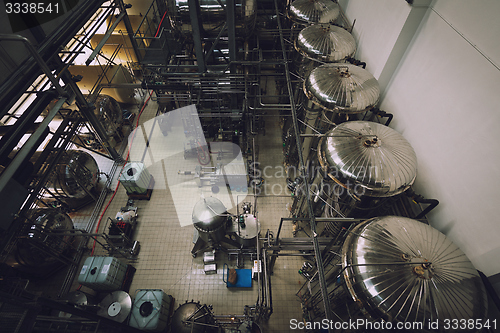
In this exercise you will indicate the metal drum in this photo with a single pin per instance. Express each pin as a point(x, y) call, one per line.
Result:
point(307, 12)
point(210, 218)
point(115, 306)
point(426, 276)
point(368, 158)
point(213, 15)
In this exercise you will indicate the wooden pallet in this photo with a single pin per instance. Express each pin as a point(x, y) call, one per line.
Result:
point(143, 196)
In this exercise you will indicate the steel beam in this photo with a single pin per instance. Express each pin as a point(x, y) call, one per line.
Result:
point(22, 78)
point(88, 112)
point(105, 38)
point(198, 32)
point(23, 154)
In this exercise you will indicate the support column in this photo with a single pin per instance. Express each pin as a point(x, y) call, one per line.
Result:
point(231, 33)
point(88, 112)
point(130, 30)
point(196, 25)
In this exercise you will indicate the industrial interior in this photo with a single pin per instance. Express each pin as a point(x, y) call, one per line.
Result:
point(232, 166)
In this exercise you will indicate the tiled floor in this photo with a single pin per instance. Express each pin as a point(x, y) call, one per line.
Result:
point(165, 260)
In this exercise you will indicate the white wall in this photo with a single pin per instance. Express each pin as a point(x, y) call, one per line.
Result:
point(377, 27)
point(445, 96)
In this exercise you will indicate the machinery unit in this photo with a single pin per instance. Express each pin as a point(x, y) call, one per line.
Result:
point(394, 269)
point(233, 175)
point(121, 230)
point(215, 226)
point(136, 179)
point(151, 310)
point(102, 273)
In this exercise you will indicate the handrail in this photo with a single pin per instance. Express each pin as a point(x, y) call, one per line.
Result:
point(38, 59)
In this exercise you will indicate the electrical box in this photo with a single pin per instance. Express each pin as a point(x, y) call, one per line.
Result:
point(102, 273)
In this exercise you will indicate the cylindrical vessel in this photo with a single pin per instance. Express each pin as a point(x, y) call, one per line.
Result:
point(394, 272)
point(109, 113)
point(342, 88)
point(213, 15)
point(358, 166)
point(192, 317)
point(40, 245)
point(306, 12)
point(75, 176)
point(210, 219)
point(322, 43)
point(247, 231)
point(400, 270)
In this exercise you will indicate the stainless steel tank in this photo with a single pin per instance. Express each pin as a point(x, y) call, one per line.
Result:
point(109, 113)
point(342, 88)
point(359, 166)
point(75, 176)
point(333, 91)
point(320, 43)
point(40, 244)
point(307, 12)
point(213, 15)
point(210, 218)
point(192, 317)
point(397, 269)
point(247, 230)
point(369, 159)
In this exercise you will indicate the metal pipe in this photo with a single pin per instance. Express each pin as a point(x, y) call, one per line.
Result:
point(38, 59)
point(319, 260)
point(23, 153)
point(105, 38)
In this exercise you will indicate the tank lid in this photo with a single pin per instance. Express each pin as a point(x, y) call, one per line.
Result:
point(184, 313)
point(374, 159)
point(445, 286)
point(209, 214)
point(313, 11)
point(342, 88)
point(325, 42)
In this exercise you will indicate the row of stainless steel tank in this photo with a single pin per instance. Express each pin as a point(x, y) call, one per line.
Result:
point(351, 163)
point(385, 271)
